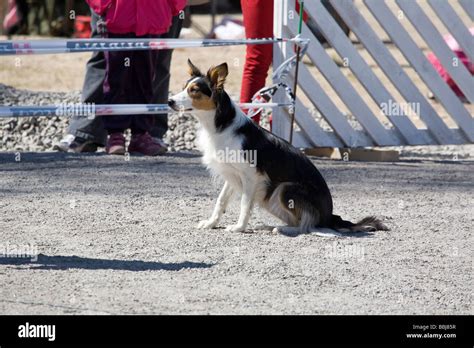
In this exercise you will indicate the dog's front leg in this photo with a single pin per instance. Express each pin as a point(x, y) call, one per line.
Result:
point(246, 203)
point(219, 209)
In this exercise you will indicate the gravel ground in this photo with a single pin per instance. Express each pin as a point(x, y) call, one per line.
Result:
point(118, 237)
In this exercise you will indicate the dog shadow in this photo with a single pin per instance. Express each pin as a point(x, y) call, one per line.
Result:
point(326, 235)
point(320, 232)
point(45, 262)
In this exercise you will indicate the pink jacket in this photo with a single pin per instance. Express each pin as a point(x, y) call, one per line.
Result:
point(141, 17)
point(458, 51)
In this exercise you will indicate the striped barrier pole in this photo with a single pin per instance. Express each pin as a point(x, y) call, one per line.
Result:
point(93, 110)
point(19, 47)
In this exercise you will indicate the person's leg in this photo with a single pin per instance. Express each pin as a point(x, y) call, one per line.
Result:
point(161, 80)
point(143, 67)
point(92, 129)
point(24, 9)
point(258, 22)
point(85, 129)
point(117, 86)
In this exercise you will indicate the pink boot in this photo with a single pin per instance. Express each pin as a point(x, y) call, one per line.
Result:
point(145, 145)
point(116, 144)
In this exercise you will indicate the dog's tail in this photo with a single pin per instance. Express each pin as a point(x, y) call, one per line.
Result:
point(367, 224)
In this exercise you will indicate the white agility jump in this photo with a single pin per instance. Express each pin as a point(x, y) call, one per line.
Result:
point(54, 46)
point(32, 47)
point(93, 110)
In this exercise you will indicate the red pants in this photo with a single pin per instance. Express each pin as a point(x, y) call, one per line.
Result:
point(258, 22)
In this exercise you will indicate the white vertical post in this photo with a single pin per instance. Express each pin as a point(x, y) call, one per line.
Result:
point(279, 123)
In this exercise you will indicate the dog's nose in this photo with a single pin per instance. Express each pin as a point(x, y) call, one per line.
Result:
point(171, 102)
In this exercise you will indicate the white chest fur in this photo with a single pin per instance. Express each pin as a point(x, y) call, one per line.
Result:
point(223, 154)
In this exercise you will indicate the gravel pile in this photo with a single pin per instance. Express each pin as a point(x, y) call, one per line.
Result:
point(40, 134)
point(32, 134)
point(181, 132)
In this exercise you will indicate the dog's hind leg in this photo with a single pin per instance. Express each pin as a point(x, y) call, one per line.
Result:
point(279, 208)
point(301, 207)
point(219, 209)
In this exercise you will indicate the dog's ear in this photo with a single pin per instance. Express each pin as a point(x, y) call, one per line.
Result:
point(193, 70)
point(217, 76)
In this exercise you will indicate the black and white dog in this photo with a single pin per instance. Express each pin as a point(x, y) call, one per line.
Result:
point(253, 162)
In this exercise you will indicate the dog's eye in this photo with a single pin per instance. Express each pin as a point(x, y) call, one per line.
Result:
point(194, 89)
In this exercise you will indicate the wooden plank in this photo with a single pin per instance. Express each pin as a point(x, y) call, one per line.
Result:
point(278, 115)
point(312, 132)
point(280, 126)
point(454, 24)
point(361, 70)
point(369, 155)
point(300, 139)
point(317, 135)
point(395, 73)
point(456, 134)
point(328, 109)
point(343, 87)
point(468, 6)
point(329, 152)
point(433, 38)
point(303, 118)
point(330, 112)
point(422, 66)
point(349, 154)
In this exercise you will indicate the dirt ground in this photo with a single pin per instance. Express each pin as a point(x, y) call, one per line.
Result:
point(119, 237)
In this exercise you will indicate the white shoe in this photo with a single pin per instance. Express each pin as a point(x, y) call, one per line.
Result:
point(64, 143)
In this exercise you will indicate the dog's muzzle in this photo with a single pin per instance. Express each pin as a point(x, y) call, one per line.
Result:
point(172, 104)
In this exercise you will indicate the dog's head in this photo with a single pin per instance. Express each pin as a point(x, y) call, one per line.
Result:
point(201, 91)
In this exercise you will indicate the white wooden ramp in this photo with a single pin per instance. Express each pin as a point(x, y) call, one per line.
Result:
point(389, 63)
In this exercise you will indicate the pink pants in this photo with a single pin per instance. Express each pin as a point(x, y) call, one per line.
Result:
point(258, 22)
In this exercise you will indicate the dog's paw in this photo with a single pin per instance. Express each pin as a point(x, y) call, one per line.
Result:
point(287, 230)
point(235, 228)
point(284, 229)
point(276, 230)
point(207, 224)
